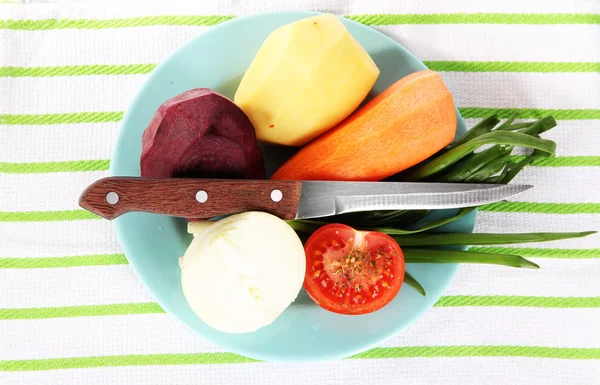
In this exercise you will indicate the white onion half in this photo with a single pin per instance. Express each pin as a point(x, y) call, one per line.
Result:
point(240, 273)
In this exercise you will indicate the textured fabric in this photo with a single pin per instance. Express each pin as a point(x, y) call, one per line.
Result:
point(73, 312)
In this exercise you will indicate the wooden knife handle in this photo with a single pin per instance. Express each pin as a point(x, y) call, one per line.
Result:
point(190, 198)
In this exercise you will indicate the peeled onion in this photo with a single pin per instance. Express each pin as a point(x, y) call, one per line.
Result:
point(240, 273)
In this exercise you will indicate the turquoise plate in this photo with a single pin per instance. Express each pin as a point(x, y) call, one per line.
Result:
point(152, 243)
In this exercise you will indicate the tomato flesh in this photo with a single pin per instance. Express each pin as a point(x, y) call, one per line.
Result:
point(350, 271)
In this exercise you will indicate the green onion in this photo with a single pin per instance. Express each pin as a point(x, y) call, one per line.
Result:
point(508, 122)
point(473, 239)
point(539, 126)
point(412, 282)
point(456, 154)
point(484, 126)
point(490, 169)
point(512, 169)
point(406, 218)
point(377, 218)
point(429, 226)
point(518, 126)
point(456, 256)
point(495, 179)
point(474, 163)
point(310, 226)
point(459, 162)
point(305, 226)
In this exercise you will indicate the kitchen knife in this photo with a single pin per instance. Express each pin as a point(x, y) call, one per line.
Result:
point(207, 198)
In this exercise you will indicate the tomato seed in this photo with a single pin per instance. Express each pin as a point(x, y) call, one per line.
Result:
point(317, 273)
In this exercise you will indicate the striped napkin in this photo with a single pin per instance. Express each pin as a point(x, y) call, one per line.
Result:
point(73, 312)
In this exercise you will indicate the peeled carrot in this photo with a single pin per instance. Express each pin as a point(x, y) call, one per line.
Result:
point(407, 123)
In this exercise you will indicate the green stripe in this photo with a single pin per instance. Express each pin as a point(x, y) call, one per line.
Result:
point(530, 113)
point(467, 112)
point(503, 66)
point(483, 351)
point(70, 261)
point(125, 360)
point(232, 358)
point(531, 252)
point(73, 117)
point(47, 24)
point(154, 308)
point(103, 165)
point(506, 207)
point(519, 301)
point(80, 311)
point(478, 18)
point(370, 19)
point(563, 161)
point(78, 70)
point(542, 208)
point(68, 166)
point(120, 259)
point(449, 66)
point(46, 216)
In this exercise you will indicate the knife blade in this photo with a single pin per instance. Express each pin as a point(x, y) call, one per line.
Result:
point(207, 198)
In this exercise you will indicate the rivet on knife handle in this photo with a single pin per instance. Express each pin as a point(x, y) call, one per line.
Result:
point(190, 198)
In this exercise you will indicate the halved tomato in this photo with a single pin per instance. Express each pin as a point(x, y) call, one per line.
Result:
point(350, 271)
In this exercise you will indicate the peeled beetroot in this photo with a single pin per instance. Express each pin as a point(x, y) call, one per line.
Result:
point(201, 134)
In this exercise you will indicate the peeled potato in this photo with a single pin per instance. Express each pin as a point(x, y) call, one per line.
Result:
point(307, 77)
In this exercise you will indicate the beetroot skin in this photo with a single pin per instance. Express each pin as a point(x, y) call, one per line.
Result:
point(201, 134)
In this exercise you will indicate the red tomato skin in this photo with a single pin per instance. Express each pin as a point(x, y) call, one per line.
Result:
point(389, 260)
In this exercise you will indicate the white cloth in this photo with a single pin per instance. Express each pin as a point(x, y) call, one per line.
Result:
point(526, 343)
